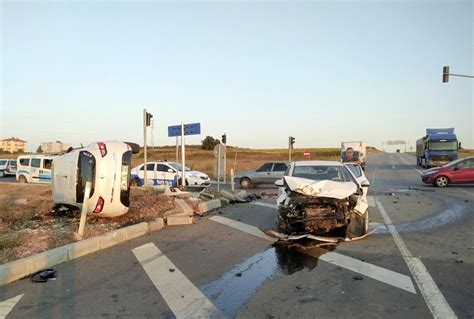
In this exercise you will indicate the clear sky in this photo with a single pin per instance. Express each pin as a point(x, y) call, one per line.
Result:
point(322, 71)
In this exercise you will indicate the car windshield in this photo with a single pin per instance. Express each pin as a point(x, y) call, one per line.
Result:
point(355, 169)
point(178, 167)
point(85, 173)
point(3, 162)
point(443, 146)
point(322, 173)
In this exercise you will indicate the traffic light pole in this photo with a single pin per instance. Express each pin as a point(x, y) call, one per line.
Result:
point(289, 148)
point(145, 158)
point(225, 159)
point(447, 74)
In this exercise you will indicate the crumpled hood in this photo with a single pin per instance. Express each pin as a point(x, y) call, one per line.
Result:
point(330, 189)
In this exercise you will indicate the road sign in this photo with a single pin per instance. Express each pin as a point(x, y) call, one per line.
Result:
point(189, 129)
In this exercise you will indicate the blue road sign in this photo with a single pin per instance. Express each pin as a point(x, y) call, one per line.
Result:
point(189, 129)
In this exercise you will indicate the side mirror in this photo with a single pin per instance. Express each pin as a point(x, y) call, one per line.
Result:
point(456, 168)
point(365, 183)
point(279, 183)
point(170, 170)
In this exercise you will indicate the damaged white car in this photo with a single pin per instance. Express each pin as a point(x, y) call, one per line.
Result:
point(321, 198)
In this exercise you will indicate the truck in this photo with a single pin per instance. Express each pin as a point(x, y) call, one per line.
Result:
point(354, 152)
point(438, 147)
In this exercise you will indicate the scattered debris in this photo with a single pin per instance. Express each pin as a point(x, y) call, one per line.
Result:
point(459, 261)
point(454, 253)
point(359, 278)
point(238, 275)
point(21, 201)
point(44, 275)
point(172, 270)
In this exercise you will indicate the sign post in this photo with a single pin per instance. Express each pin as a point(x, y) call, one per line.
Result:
point(145, 159)
point(183, 130)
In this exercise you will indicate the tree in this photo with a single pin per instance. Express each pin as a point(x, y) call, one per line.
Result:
point(209, 143)
point(39, 149)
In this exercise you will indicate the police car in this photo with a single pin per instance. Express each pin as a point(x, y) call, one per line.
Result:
point(168, 173)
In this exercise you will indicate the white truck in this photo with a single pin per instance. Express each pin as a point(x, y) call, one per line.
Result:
point(7, 167)
point(354, 152)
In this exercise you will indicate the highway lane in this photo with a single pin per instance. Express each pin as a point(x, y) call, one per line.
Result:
point(244, 276)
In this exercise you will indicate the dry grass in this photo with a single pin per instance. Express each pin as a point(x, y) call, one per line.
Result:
point(27, 229)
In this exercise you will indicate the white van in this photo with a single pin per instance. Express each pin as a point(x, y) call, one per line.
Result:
point(34, 168)
point(107, 166)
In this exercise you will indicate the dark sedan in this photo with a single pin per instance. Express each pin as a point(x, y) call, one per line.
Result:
point(457, 172)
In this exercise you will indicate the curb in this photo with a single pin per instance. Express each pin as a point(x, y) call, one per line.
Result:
point(22, 268)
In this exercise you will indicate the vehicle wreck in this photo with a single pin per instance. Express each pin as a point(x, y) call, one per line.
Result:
point(313, 208)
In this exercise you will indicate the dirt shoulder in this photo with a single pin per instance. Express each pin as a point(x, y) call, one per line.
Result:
point(29, 225)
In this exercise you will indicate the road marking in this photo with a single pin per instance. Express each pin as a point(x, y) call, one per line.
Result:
point(7, 306)
point(252, 230)
point(265, 205)
point(389, 277)
point(371, 201)
point(375, 272)
point(435, 300)
point(183, 298)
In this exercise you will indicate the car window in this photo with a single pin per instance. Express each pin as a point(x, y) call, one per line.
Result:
point(3, 162)
point(466, 164)
point(47, 163)
point(279, 167)
point(265, 168)
point(162, 168)
point(355, 169)
point(149, 167)
point(86, 171)
point(36, 162)
point(25, 161)
point(321, 173)
point(13, 163)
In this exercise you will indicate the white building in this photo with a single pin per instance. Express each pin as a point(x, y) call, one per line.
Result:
point(54, 147)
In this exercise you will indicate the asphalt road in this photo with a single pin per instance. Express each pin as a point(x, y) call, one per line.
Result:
point(418, 264)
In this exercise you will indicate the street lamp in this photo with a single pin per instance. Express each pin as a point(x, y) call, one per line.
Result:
point(446, 75)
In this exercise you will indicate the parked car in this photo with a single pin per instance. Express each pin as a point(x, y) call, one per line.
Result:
point(319, 197)
point(460, 171)
point(268, 173)
point(169, 173)
point(7, 167)
point(107, 166)
point(358, 173)
point(34, 168)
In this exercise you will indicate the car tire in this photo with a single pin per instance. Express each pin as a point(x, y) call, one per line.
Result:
point(441, 181)
point(136, 182)
point(22, 179)
point(245, 183)
point(180, 181)
point(2, 173)
point(281, 222)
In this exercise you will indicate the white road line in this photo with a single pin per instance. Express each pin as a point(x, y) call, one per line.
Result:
point(375, 272)
point(7, 306)
point(371, 201)
point(378, 273)
point(183, 298)
point(265, 205)
point(435, 300)
point(252, 230)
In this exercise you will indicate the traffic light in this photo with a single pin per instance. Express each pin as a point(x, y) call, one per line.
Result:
point(446, 74)
point(292, 141)
point(224, 139)
point(149, 116)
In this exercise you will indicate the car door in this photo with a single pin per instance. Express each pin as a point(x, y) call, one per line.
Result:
point(463, 172)
point(150, 174)
point(262, 175)
point(164, 176)
point(278, 172)
point(35, 170)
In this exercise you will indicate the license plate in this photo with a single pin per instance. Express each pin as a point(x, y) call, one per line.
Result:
point(124, 181)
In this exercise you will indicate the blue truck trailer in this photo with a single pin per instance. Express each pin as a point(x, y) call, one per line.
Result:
point(437, 147)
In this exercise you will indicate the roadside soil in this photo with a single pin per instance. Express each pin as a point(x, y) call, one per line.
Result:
point(29, 225)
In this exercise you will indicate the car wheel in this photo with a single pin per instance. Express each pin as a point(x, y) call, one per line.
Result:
point(281, 222)
point(245, 183)
point(366, 222)
point(22, 179)
point(2, 173)
point(136, 182)
point(441, 181)
point(180, 182)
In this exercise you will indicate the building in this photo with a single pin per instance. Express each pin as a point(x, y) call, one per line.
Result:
point(54, 147)
point(13, 145)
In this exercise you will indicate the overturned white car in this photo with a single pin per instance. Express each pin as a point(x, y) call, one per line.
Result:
point(321, 198)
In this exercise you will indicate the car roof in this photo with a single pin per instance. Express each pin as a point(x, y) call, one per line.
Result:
point(318, 163)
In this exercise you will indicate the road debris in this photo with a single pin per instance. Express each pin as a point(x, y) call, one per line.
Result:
point(358, 278)
point(44, 275)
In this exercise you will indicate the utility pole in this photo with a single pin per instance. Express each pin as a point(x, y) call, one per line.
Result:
point(183, 157)
point(177, 150)
point(224, 141)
